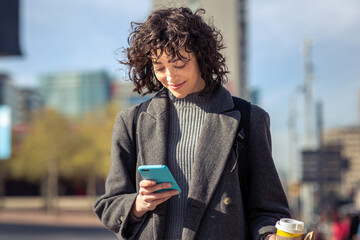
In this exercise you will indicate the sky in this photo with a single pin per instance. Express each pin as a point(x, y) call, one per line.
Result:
point(77, 35)
point(278, 29)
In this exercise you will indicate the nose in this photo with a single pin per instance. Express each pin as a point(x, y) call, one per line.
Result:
point(169, 74)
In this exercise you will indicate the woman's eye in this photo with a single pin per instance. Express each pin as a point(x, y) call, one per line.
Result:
point(180, 67)
point(158, 69)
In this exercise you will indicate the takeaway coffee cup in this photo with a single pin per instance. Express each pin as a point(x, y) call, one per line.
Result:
point(288, 228)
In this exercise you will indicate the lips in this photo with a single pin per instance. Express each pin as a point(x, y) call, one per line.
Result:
point(176, 86)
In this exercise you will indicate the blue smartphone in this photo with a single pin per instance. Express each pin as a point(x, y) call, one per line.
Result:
point(159, 173)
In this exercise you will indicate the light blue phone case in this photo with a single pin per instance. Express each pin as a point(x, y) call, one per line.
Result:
point(159, 173)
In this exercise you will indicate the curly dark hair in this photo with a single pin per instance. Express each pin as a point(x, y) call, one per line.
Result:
point(169, 30)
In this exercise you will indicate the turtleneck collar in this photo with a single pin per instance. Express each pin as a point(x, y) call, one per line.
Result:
point(191, 100)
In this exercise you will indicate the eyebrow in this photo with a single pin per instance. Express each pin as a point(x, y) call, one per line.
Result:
point(174, 61)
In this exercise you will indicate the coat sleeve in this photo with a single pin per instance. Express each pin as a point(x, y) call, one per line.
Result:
point(114, 207)
point(267, 201)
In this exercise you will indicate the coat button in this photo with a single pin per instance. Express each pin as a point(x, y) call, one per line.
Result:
point(119, 220)
point(227, 201)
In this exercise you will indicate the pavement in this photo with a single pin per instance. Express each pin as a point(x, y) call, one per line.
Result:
point(24, 218)
point(73, 211)
point(41, 217)
point(45, 232)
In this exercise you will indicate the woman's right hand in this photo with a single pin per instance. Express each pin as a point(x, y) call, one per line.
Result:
point(148, 200)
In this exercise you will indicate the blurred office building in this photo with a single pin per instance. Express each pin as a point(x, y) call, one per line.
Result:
point(230, 17)
point(75, 93)
point(8, 93)
point(349, 140)
point(30, 103)
point(122, 93)
point(322, 171)
point(10, 96)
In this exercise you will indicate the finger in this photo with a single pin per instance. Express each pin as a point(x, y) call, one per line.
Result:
point(150, 190)
point(154, 204)
point(158, 187)
point(147, 183)
point(155, 196)
point(310, 236)
point(272, 237)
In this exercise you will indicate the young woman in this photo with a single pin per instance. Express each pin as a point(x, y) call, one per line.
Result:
point(190, 125)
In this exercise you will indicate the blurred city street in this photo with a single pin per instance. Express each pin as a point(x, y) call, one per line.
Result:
point(32, 223)
point(63, 82)
point(45, 232)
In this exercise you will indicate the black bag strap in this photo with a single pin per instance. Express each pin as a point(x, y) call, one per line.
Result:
point(242, 143)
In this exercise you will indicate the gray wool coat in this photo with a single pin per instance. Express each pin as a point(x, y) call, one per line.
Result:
point(214, 203)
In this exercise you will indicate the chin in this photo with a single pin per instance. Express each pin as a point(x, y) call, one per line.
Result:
point(179, 95)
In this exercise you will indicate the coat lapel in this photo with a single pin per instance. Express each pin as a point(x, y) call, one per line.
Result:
point(212, 152)
point(152, 131)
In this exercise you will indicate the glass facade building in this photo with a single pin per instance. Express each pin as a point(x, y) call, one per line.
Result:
point(75, 94)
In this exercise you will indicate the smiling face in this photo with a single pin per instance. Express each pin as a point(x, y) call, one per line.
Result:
point(181, 78)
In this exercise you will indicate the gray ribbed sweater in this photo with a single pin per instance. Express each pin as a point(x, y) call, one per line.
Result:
point(186, 118)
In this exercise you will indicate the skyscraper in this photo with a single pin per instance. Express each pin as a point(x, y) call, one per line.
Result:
point(349, 139)
point(230, 17)
point(74, 94)
point(30, 102)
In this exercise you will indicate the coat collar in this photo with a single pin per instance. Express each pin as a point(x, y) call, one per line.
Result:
point(159, 104)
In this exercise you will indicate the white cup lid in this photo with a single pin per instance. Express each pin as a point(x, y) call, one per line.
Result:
point(291, 226)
